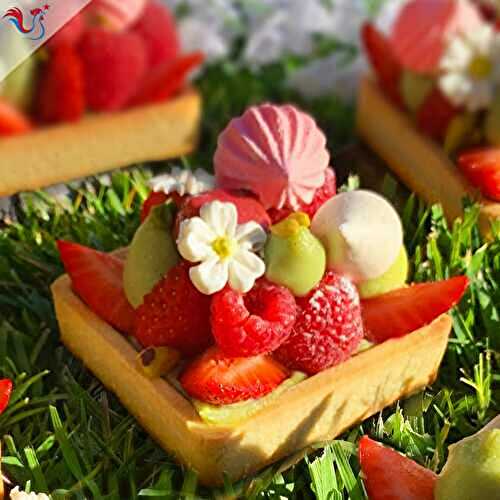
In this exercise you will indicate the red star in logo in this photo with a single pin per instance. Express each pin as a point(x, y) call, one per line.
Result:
point(46, 6)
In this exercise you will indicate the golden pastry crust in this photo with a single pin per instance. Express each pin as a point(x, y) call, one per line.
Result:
point(99, 143)
point(316, 410)
point(418, 161)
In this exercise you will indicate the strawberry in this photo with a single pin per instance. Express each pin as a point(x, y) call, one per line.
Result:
point(395, 314)
point(249, 209)
point(5, 392)
point(115, 64)
point(435, 115)
point(322, 194)
point(70, 33)
point(97, 279)
point(175, 314)
point(383, 60)
point(218, 379)
point(157, 28)
point(61, 92)
point(166, 79)
point(482, 169)
point(154, 199)
point(12, 120)
point(389, 475)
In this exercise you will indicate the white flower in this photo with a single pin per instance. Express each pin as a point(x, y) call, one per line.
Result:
point(224, 248)
point(16, 494)
point(470, 68)
point(183, 181)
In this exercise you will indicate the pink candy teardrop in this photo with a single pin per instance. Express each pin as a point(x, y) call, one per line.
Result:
point(423, 28)
point(276, 152)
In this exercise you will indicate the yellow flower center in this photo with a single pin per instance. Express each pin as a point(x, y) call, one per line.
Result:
point(223, 247)
point(480, 67)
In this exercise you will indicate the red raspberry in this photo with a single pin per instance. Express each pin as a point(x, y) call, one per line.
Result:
point(255, 323)
point(71, 32)
point(115, 64)
point(175, 314)
point(61, 92)
point(328, 329)
point(323, 194)
point(156, 27)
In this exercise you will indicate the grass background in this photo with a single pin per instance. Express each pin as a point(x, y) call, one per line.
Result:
point(63, 433)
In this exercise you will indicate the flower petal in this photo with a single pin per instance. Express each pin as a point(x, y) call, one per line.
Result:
point(250, 236)
point(221, 217)
point(210, 276)
point(195, 240)
point(244, 268)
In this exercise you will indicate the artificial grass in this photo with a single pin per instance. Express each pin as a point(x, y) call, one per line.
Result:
point(63, 433)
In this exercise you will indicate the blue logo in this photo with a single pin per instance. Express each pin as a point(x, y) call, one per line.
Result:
point(34, 29)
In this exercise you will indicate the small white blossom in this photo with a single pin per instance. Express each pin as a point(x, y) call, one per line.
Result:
point(470, 68)
point(224, 249)
point(183, 181)
point(16, 494)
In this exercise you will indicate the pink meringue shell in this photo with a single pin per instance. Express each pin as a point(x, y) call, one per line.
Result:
point(117, 14)
point(276, 152)
point(423, 28)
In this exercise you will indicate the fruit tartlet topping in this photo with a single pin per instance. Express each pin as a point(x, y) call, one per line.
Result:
point(112, 55)
point(263, 297)
point(441, 63)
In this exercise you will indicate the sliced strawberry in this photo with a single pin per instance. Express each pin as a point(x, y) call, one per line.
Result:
point(166, 79)
point(5, 392)
point(402, 311)
point(97, 279)
point(249, 209)
point(389, 475)
point(383, 60)
point(482, 169)
point(218, 379)
point(12, 120)
point(435, 115)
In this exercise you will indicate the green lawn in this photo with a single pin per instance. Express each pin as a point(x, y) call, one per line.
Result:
point(64, 433)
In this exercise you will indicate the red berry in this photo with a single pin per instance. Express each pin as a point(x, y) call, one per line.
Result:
point(166, 79)
point(389, 475)
point(323, 194)
point(249, 209)
point(328, 327)
point(482, 169)
point(395, 314)
point(383, 60)
point(218, 379)
point(61, 92)
point(175, 314)
point(12, 120)
point(154, 199)
point(71, 33)
point(97, 278)
point(157, 28)
point(435, 115)
point(5, 392)
point(255, 323)
point(115, 64)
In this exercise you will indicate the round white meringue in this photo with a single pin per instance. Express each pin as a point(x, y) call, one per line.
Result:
point(362, 234)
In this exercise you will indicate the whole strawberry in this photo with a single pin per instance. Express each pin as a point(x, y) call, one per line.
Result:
point(175, 314)
point(115, 64)
point(61, 92)
point(157, 28)
point(328, 329)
